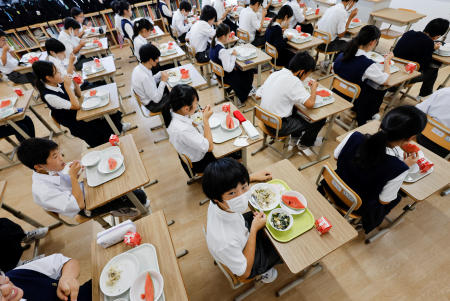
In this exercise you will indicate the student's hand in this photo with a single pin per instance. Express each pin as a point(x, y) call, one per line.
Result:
point(313, 84)
point(207, 112)
point(353, 13)
point(234, 52)
point(264, 12)
point(68, 287)
point(259, 221)
point(410, 158)
point(388, 57)
point(8, 291)
point(74, 169)
point(437, 45)
point(261, 176)
point(89, 23)
point(72, 58)
point(164, 76)
point(228, 9)
point(82, 43)
point(67, 80)
point(289, 36)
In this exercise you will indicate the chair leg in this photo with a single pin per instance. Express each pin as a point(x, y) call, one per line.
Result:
point(151, 183)
point(263, 146)
point(182, 253)
point(203, 202)
point(170, 222)
point(102, 222)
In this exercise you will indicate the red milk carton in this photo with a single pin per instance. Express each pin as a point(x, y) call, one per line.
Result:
point(323, 225)
point(114, 140)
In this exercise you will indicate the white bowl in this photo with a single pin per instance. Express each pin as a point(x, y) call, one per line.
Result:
point(103, 166)
point(299, 196)
point(128, 266)
point(280, 210)
point(223, 124)
point(91, 102)
point(276, 198)
point(138, 287)
point(215, 120)
point(91, 158)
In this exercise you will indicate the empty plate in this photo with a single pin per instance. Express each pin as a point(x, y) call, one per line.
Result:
point(119, 274)
point(91, 102)
point(91, 158)
point(215, 120)
point(104, 165)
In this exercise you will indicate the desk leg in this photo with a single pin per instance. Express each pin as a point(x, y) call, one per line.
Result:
point(111, 124)
point(310, 271)
point(144, 211)
point(175, 62)
point(22, 216)
point(244, 156)
point(258, 77)
point(393, 102)
point(45, 123)
point(18, 128)
point(445, 82)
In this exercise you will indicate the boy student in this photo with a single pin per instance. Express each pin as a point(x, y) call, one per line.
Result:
point(233, 235)
point(58, 192)
point(419, 46)
point(8, 63)
point(222, 14)
point(78, 15)
point(283, 90)
point(73, 44)
point(202, 32)
point(180, 22)
point(152, 89)
point(249, 21)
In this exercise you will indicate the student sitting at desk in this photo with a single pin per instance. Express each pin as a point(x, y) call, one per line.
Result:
point(69, 37)
point(284, 89)
point(124, 11)
point(355, 66)
point(61, 193)
point(180, 22)
point(233, 235)
point(274, 35)
point(240, 81)
point(370, 164)
point(222, 14)
point(141, 31)
point(418, 46)
point(298, 13)
point(202, 32)
point(115, 5)
point(63, 101)
point(165, 11)
point(53, 277)
point(78, 15)
point(249, 21)
point(8, 63)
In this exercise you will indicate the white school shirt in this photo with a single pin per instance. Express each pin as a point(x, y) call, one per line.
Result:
point(11, 63)
point(70, 42)
point(54, 193)
point(333, 20)
point(56, 101)
point(118, 23)
point(129, 28)
point(227, 58)
point(281, 91)
point(249, 21)
point(375, 72)
point(200, 34)
point(178, 23)
point(61, 65)
point(145, 84)
point(220, 10)
point(186, 139)
point(50, 266)
point(206, 2)
point(298, 16)
point(138, 42)
point(390, 190)
point(226, 237)
point(438, 106)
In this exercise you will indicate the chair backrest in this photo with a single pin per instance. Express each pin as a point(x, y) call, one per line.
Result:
point(191, 50)
point(405, 62)
point(268, 119)
point(324, 36)
point(243, 35)
point(345, 87)
point(340, 189)
point(271, 50)
point(138, 99)
point(217, 69)
point(188, 164)
point(437, 132)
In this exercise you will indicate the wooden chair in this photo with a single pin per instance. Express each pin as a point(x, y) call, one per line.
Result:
point(130, 42)
point(187, 166)
point(326, 38)
point(408, 85)
point(273, 52)
point(243, 35)
point(438, 133)
point(389, 34)
point(204, 67)
point(150, 115)
point(176, 37)
point(60, 127)
point(351, 90)
point(227, 96)
point(80, 220)
point(266, 119)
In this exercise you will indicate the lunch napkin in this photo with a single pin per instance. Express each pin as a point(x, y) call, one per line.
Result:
point(115, 234)
point(250, 129)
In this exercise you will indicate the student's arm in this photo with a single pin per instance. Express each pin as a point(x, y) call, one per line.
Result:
point(75, 167)
point(77, 89)
point(259, 221)
point(74, 103)
point(4, 54)
point(261, 176)
point(228, 59)
point(261, 23)
point(71, 66)
point(225, 14)
point(68, 285)
point(309, 103)
point(79, 46)
point(207, 112)
point(387, 64)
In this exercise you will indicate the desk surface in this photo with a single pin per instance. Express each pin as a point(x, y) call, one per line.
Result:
point(22, 102)
point(400, 76)
point(355, 30)
point(113, 105)
point(197, 78)
point(305, 46)
point(89, 52)
point(397, 15)
point(159, 34)
point(110, 69)
point(313, 17)
point(261, 58)
point(443, 59)
point(326, 2)
point(170, 58)
point(153, 229)
point(309, 247)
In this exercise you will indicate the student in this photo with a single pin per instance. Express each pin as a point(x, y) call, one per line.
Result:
point(355, 66)
point(115, 5)
point(183, 134)
point(63, 101)
point(372, 167)
point(233, 235)
point(274, 35)
point(283, 90)
point(222, 14)
point(69, 37)
point(56, 53)
point(299, 16)
point(249, 21)
point(152, 89)
point(419, 46)
point(180, 22)
point(62, 193)
point(124, 11)
point(142, 29)
point(240, 81)
point(437, 106)
point(335, 21)
point(53, 277)
point(8, 63)
point(78, 15)
point(165, 11)
point(202, 32)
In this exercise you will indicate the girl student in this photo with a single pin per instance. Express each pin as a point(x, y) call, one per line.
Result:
point(63, 101)
point(274, 35)
point(141, 31)
point(355, 66)
point(202, 32)
point(117, 17)
point(374, 166)
point(240, 81)
point(124, 11)
point(299, 16)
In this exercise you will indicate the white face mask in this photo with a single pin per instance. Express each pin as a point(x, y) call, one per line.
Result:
point(240, 203)
point(61, 56)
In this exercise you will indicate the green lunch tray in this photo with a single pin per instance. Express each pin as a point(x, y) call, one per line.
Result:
point(302, 222)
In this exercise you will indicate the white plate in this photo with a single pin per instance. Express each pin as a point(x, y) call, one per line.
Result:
point(103, 166)
point(138, 286)
point(6, 113)
point(91, 102)
point(11, 105)
point(276, 198)
point(91, 158)
point(376, 57)
point(223, 124)
point(197, 118)
point(128, 266)
point(90, 46)
point(299, 196)
point(215, 119)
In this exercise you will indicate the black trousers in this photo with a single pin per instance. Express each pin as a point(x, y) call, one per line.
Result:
point(241, 82)
point(19, 78)
point(259, 40)
point(265, 254)
point(308, 28)
point(284, 57)
point(335, 45)
point(182, 38)
point(428, 77)
point(81, 60)
point(231, 24)
point(11, 235)
point(435, 148)
point(158, 107)
point(25, 124)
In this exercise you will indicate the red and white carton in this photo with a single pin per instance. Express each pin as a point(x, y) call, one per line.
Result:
point(114, 140)
point(317, 11)
point(226, 107)
point(410, 67)
point(18, 92)
point(132, 239)
point(323, 225)
point(298, 28)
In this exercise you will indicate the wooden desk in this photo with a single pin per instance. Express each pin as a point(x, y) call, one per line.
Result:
point(307, 249)
point(197, 79)
point(156, 36)
point(98, 51)
point(28, 67)
point(22, 102)
point(153, 230)
point(370, 127)
point(107, 74)
point(163, 60)
point(445, 60)
point(257, 62)
point(305, 46)
point(313, 18)
point(134, 177)
point(355, 30)
point(88, 34)
point(112, 107)
point(326, 3)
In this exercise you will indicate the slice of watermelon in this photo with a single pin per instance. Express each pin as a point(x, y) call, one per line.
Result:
point(356, 20)
point(292, 202)
point(5, 103)
point(112, 163)
point(323, 93)
point(410, 148)
point(304, 34)
point(230, 122)
point(149, 289)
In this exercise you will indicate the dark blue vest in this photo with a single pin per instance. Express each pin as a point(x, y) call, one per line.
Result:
point(123, 23)
point(352, 70)
point(61, 115)
point(214, 54)
point(160, 7)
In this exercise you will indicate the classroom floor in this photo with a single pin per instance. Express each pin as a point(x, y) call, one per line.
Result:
point(409, 263)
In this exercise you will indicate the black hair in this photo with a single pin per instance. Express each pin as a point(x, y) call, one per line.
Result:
point(349, 0)
point(115, 6)
point(302, 61)
point(149, 51)
point(42, 69)
point(141, 24)
point(284, 11)
point(223, 175)
point(253, 2)
point(35, 151)
point(185, 5)
point(221, 30)
point(75, 11)
point(180, 96)
point(208, 13)
point(54, 45)
point(2, 33)
point(400, 123)
point(436, 27)
point(71, 23)
point(366, 35)
point(121, 6)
